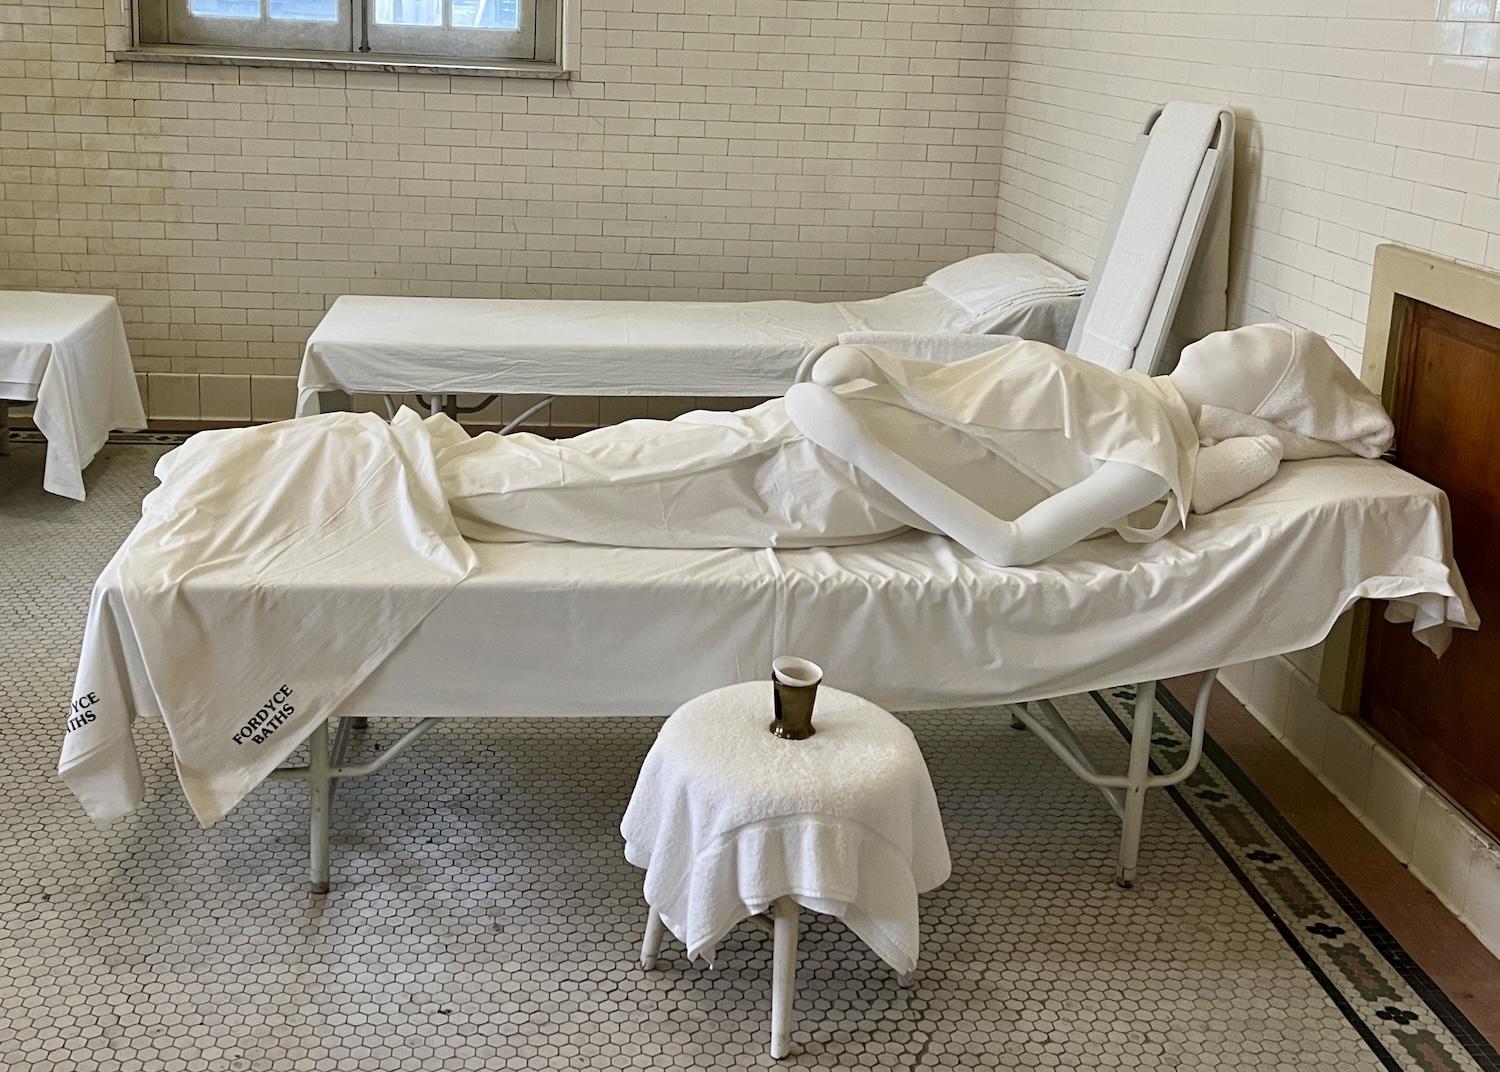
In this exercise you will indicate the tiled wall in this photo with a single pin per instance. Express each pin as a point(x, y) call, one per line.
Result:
point(1360, 122)
point(712, 148)
point(1413, 819)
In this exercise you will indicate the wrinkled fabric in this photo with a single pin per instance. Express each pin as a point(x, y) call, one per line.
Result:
point(1317, 409)
point(1055, 418)
point(910, 622)
point(726, 818)
point(68, 354)
point(1007, 429)
point(989, 282)
point(273, 569)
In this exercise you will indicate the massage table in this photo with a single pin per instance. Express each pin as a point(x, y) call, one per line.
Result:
point(910, 622)
point(67, 355)
point(446, 347)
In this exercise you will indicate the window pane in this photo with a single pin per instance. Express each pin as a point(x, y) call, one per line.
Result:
point(305, 10)
point(409, 12)
point(226, 9)
point(487, 14)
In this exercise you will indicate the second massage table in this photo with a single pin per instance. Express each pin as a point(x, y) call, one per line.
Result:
point(910, 622)
point(368, 344)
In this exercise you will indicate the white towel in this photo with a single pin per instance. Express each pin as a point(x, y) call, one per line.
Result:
point(1130, 278)
point(726, 818)
point(1225, 471)
point(1317, 409)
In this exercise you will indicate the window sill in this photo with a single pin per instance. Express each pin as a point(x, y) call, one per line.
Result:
point(339, 61)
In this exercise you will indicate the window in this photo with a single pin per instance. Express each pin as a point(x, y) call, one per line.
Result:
point(470, 31)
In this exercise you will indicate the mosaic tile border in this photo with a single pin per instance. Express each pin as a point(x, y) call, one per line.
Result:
point(131, 439)
point(1405, 1018)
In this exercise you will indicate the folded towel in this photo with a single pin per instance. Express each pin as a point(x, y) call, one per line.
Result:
point(1131, 276)
point(1318, 408)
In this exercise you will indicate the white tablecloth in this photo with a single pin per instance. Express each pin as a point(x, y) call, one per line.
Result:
point(67, 353)
point(726, 818)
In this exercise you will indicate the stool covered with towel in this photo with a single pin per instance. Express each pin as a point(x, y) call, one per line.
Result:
point(728, 820)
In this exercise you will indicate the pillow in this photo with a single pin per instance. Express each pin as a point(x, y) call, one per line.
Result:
point(990, 281)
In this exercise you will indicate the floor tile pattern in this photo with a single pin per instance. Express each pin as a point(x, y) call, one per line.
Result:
point(482, 914)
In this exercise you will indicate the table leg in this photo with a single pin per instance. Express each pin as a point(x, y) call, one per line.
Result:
point(4, 426)
point(651, 943)
point(784, 975)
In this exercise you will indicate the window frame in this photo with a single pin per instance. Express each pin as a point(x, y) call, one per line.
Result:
point(182, 27)
point(535, 49)
point(452, 42)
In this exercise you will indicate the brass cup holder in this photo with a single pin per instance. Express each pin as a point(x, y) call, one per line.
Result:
point(795, 683)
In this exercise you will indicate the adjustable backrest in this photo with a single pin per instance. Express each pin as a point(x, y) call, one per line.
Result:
point(1190, 300)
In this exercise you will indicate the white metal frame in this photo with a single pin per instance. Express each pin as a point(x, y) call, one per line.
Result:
point(1125, 793)
point(324, 770)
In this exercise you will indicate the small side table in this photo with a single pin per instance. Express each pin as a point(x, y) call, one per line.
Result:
point(732, 823)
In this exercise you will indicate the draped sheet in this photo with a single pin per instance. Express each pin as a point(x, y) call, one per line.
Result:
point(68, 354)
point(271, 572)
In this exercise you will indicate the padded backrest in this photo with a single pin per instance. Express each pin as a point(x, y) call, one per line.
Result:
point(1191, 300)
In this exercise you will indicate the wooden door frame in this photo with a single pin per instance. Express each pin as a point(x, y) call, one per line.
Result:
point(1401, 277)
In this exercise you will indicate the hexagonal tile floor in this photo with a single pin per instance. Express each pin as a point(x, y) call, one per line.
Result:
point(483, 916)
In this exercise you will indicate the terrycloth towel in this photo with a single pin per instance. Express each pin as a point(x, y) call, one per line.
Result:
point(1318, 409)
point(1225, 471)
point(726, 818)
point(274, 569)
point(1130, 278)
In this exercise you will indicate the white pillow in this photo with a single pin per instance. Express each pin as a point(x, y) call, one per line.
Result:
point(986, 283)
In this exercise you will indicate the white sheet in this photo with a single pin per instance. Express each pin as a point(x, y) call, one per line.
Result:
point(67, 352)
point(258, 605)
point(726, 819)
point(910, 622)
point(384, 345)
point(1004, 429)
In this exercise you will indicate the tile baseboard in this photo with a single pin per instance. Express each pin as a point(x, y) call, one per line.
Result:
point(1451, 855)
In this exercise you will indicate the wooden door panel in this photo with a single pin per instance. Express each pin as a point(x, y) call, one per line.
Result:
point(1444, 714)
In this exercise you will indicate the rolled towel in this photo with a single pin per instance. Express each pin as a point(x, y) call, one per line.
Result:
point(1225, 471)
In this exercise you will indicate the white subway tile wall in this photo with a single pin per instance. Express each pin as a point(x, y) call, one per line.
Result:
point(707, 149)
point(1360, 122)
